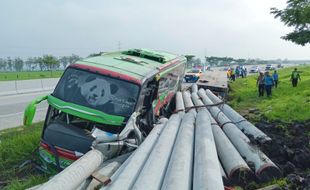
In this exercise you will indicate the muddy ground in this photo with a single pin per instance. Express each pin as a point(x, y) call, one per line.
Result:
point(290, 150)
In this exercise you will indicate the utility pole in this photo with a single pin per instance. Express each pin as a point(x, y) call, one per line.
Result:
point(119, 46)
point(205, 61)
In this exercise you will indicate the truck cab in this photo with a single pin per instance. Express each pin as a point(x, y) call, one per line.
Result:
point(107, 102)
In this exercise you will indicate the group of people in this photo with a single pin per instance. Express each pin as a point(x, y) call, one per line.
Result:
point(265, 81)
point(240, 71)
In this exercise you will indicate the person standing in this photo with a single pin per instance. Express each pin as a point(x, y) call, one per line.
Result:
point(241, 72)
point(229, 73)
point(237, 72)
point(294, 77)
point(268, 80)
point(232, 74)
point(245, 72)
point(275, 77)
point(260, 84)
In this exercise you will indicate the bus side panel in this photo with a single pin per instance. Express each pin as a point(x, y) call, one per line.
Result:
point(169, 84)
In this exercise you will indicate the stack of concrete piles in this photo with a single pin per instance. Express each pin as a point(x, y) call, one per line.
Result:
point(235, 128)
point(204, 145)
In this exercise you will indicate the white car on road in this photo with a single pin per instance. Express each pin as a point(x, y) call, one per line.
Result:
point(254, 69)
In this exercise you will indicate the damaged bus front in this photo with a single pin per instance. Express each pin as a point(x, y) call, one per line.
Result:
point(108, 102)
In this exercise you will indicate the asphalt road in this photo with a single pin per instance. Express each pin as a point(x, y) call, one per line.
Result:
point(12, 109)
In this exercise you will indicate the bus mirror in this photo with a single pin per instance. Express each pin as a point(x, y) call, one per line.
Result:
point(31, 110)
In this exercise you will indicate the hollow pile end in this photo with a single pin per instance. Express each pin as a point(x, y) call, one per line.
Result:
point(241, 175)
point(268, 173)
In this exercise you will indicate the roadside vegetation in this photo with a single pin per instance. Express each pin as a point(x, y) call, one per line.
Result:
point(47, 66)
point(287, 104)
point(284, 117)
point(26, 75)
point(17, 146)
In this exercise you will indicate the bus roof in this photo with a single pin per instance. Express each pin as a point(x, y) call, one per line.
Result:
point(136, 63)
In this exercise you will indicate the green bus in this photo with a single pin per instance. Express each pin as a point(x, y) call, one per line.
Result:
point(107, 102)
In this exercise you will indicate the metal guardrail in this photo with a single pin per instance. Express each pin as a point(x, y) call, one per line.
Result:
point(27, 86)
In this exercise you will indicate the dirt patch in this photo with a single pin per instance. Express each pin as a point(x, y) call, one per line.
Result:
point(290, 150)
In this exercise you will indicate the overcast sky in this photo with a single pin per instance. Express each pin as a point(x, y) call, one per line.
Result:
point(237, 28)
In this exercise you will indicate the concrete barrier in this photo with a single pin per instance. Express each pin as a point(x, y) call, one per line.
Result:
point(27, 86)
point(49, 84)
point(8, 87)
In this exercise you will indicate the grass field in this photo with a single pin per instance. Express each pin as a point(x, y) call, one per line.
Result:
point(286, 104)
point(26, 75)
point(16, 146)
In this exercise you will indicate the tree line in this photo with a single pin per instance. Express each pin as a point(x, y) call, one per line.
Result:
point(295, 15)
point(44, 63)
point(225, 61)
point(220, 61)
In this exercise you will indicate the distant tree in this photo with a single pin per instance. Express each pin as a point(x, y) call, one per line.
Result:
point(9, 64)
point(30, 64)
point(211, 60)
point(241, 60)
point(18, 64)
point(73, 58)
point(197, 62)
point(64, 61)
point(50, 62)
point(2, 64)
point(297, 15)
point(39, 61)
point(190, 59)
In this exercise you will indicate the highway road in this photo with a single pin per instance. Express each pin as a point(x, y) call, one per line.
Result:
point(12, 109)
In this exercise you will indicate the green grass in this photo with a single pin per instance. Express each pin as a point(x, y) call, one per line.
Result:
point(16, 146)
point(286, 104)
point(27, 183)
point(26, 75)
point(253, 185)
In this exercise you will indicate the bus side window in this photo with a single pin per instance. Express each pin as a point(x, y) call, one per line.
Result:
point(163, 84)
point(151, 92)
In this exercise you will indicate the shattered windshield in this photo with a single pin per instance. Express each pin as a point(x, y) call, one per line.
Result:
point(103, 93)
point(194, 71)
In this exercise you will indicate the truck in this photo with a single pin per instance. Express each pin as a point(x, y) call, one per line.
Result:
point(193, 75)
point(107, 102)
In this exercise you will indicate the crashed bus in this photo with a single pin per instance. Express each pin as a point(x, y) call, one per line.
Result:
point(108, 102)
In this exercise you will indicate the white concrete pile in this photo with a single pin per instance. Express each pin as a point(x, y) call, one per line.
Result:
point(263, 168)
point(199, 147)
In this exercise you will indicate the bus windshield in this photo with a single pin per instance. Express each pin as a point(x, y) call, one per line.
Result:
point(103, 93)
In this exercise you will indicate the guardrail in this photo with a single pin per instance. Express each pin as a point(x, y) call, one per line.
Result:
point(27, 86)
